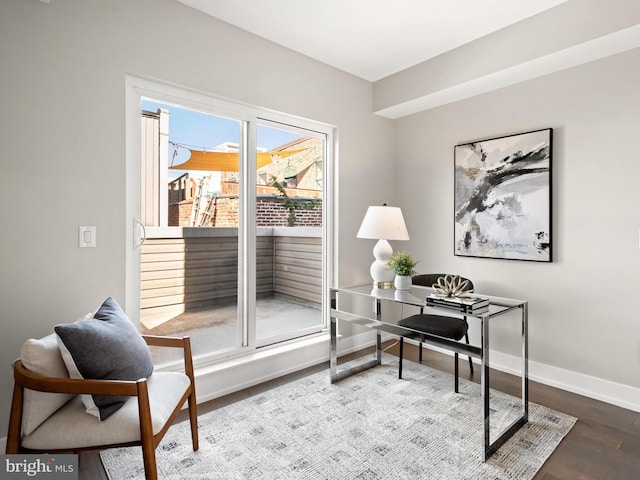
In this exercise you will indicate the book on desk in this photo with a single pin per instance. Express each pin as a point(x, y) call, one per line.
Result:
point(470, 305)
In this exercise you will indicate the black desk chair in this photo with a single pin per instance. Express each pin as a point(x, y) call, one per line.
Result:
point(454, 328)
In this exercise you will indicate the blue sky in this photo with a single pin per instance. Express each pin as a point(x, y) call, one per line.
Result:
point(201, 131)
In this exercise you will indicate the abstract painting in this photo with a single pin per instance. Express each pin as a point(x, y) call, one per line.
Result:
point(503, 197)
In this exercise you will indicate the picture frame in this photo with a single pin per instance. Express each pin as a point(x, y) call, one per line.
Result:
point(502, 197)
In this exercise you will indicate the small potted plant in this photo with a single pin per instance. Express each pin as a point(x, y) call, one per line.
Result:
point(403, 265)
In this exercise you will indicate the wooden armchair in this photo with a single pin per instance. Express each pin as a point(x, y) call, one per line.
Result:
point(143, 419)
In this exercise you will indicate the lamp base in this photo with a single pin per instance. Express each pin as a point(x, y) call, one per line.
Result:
point(383, 285)
point(381, 275)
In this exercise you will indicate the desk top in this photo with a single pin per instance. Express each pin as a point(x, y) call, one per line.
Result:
point(417, 295)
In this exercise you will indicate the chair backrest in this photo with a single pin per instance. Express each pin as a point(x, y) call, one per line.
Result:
point(42, 356)
point(428, 279)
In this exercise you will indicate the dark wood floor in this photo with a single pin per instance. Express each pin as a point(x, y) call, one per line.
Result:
point(603, 445)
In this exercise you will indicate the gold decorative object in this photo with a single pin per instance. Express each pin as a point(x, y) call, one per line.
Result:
point(452, 286)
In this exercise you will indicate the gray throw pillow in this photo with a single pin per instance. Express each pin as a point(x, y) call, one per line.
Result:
point(106, 347)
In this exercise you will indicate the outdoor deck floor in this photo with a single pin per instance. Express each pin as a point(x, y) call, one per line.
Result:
point(216, 328)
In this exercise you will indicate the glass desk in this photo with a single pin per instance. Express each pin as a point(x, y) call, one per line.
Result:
point(417, 297)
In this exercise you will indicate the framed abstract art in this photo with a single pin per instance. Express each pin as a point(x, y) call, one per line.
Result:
point(503, 197)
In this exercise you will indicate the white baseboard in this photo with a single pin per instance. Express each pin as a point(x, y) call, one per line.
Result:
point(239, 373)
point(607, 391)
point(228, 377)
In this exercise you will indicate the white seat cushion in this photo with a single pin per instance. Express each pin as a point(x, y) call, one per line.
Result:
point(72, 427)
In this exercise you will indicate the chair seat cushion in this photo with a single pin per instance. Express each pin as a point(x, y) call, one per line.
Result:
point(448, 327)
point(71, 427)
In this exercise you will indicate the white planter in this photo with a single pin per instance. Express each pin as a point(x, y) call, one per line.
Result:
point(402, 282)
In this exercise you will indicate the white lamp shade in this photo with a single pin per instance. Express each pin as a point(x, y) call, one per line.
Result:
point(383, 223)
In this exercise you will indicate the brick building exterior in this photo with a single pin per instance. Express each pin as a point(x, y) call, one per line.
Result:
point(300, 174)
point(269, 212)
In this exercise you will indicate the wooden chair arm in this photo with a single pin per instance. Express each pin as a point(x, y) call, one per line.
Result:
point(34, 381)
point(158, 341)
point(179, 342)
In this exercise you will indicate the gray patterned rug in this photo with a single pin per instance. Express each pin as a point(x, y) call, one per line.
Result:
point(368, 426)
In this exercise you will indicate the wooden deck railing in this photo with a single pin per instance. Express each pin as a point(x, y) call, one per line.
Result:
point(186, 269)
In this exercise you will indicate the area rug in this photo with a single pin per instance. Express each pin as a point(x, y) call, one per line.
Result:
point(368, 426)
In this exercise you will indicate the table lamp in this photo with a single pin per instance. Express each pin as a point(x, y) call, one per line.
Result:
point(383, 223)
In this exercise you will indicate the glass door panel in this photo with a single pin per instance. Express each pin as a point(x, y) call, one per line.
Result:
point(190, 204)
point(289, 218)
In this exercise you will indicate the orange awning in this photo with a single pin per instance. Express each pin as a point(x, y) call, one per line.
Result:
point(226, 161)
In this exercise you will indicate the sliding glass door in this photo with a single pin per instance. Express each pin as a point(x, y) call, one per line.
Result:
point(233, 208)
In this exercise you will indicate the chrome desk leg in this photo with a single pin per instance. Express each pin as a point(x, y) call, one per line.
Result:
point(484, 386)
point(333, 350)
point(491, 448)
point(333, 354)
point(333, 329)
point(378, 313)
point(525, 362)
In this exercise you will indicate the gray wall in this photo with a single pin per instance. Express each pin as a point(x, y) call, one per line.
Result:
point(62, 131)
point(582, 317)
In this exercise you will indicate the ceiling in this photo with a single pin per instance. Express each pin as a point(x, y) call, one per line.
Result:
point(371, 39)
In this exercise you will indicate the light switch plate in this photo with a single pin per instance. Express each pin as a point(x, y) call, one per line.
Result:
point(86, 236)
